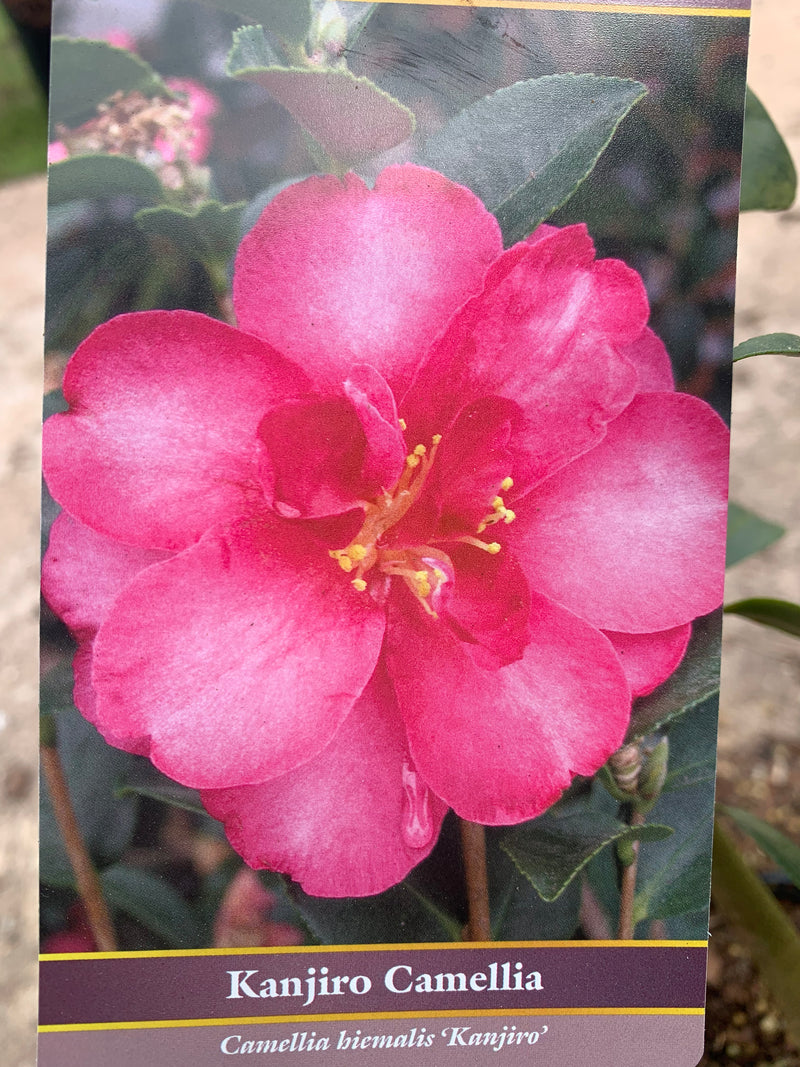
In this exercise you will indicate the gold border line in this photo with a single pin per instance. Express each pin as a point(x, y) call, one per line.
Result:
point(497, 946)
point(455, 1013)
point(568, 5)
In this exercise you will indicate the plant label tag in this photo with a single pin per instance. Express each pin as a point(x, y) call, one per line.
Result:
point(385, 522)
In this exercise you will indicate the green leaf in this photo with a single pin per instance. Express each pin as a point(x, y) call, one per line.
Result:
point(674, 875)
point(769, 179)
point(551, 850)
point(288, 19)
point(695, 681)
point(779, 614)
point(525, 149)
point(97, 176)
point(782, 344)
point(400, 914)
point(748, 533)
point(351, 118)
point(88, 72)
point(778, 846)
point(209, 233)
point(92, 769)
point(152, 902)
point(142, 779)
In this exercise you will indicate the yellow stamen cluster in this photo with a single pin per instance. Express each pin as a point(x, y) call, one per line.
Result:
point(499, 512)
point(416, 566)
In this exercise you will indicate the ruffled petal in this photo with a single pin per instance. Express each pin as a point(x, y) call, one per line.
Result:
point(631, 536)
point(547, 332)
point(334, 273)
point(351, 822)
point(82, 575)
point(649, 356)
point(501, 746)
point(240, 657)
point(159, 444)
point(649, 659)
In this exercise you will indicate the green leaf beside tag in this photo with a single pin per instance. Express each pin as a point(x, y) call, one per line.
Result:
point(782, 344)
point(748, 533)
point(88, 72)
point(97, 176)
point(524, 150)
point(779, 614)
point(349, 117)
point(780, 849)
point(769, 178)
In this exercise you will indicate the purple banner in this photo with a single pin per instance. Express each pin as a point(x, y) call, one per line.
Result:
point(156, 988)
point(551, 1041)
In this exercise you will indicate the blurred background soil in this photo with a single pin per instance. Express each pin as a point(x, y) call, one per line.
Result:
point(759, 764)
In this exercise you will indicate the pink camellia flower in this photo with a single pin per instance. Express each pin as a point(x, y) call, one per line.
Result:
point(407, 539)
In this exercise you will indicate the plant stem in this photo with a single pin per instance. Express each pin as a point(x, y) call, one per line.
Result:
point(473, 847)
point(743, 899)
point(627, 892)
point(89, 888)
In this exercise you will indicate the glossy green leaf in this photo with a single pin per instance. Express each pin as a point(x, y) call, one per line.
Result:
point(779, 614)
point(93, 769)
point(782, 344)
point(525, 149)
point(769, 179)
point(88, 72)
point(401, 914)
point(695, 681)
point(98, 176)
point(209, 233)
point(674, 875)
point(780, 849)
point(748, 533)
point(153, 902)
point(351, 118)
point(288, 19)
point(551, 850)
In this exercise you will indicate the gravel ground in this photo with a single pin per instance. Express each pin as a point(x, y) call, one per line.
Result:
point(761, 671)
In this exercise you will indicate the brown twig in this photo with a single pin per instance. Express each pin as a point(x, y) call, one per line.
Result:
point(88, 884)
point(473, 847)
point(627, 891)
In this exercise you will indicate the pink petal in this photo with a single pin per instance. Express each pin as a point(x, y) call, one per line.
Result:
point(547, 333)
point(631, 536)
point(323, 455)
point(500, 746)
point(334, 273)
point(489, 605)
point(649, 659)
point(82, 575)
point(351, 822)
point(649, 356)
point(159, 444)
point(240, 657)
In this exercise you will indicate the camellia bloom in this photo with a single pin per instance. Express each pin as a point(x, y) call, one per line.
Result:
point(409, 538)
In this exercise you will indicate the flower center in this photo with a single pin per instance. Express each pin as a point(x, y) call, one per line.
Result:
point(425, 569)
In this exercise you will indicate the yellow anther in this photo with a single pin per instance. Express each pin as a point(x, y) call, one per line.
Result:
point(498, 504)
point(506, 484)
point(345, 563)
point(420, 575)
point(359, 584)
point(437, 438)
point(420, 450)
point(402, 424)
point(357, 553)
point(493, 548)
point(509, 516)
point(440, 575)
point(412, 460)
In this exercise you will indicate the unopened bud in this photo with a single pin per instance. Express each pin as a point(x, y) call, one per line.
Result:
point(625, 766)
point(653, 776)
